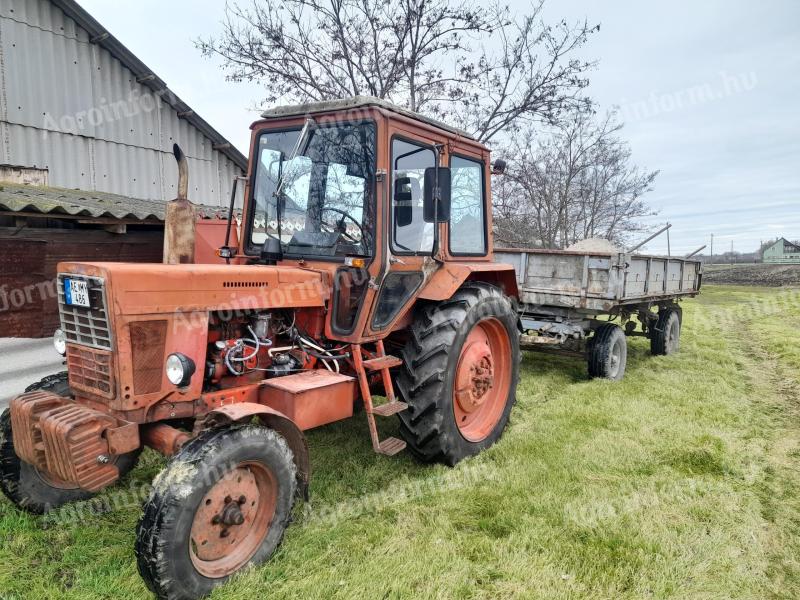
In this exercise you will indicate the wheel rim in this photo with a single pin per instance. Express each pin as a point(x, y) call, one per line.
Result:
point(233, 519)
point(616, 359)
point(55, 482)
point(482, 380)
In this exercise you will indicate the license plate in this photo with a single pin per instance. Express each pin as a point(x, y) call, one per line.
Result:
point(76, 293)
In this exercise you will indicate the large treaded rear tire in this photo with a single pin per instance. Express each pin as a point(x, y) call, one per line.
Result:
point(430, 360)
point(608, 353)
point(22, 483)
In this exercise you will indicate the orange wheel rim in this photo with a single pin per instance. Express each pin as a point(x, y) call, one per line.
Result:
point(482, 380)
point(233, 519)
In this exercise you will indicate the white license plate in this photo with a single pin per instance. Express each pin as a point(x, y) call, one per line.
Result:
point(76, 293)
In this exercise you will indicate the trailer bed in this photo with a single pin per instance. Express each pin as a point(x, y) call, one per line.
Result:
point(599, 282)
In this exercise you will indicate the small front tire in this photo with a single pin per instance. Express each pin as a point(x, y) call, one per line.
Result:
point(223, 502)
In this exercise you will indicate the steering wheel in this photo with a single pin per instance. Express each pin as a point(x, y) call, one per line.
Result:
point(339, 227)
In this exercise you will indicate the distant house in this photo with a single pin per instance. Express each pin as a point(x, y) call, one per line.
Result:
point(782, 251)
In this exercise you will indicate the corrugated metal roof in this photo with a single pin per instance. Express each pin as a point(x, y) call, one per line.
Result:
point(79, 203)
point(355, 102)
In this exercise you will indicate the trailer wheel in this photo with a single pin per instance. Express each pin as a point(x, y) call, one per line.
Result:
point(608, 352)
point(459, 374)
point(22, 483)
point(222, 503)
point(666, 335)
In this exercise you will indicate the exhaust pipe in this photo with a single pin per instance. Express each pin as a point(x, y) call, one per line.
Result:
point(180, 218)
point(183, 172)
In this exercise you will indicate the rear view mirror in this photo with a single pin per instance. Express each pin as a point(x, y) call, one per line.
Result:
point(437, 195)
point(403, 198)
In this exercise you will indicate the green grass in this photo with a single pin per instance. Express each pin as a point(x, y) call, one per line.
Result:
point(681, 481)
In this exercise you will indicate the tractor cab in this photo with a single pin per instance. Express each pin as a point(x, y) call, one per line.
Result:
point(376, 197)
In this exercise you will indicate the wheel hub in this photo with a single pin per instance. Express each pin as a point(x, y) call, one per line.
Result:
point(475, 376)
point(231, 519)
point(482, 380)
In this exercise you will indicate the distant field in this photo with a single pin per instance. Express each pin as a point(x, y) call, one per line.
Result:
point(681, 481)
point(752, 274)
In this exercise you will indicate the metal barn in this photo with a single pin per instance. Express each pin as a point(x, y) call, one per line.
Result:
point(86, 164)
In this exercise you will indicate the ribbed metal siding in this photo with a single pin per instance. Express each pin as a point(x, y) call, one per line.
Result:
point(50, 70)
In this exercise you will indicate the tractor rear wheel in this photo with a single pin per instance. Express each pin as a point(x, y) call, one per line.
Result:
point(459, 374)
point(27, 487)
point(222, 503)
point(666, 335)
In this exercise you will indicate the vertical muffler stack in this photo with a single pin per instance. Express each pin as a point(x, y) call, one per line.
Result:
point(181, 216)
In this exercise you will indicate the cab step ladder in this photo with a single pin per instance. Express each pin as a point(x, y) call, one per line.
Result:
point(379, 362)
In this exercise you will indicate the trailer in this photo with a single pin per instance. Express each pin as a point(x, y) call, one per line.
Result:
point(584, 304)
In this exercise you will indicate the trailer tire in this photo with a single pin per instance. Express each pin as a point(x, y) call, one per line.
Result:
point(608, 352)
point(222, 503)
point(666, 335)
point(459, 374)
point(22, 483)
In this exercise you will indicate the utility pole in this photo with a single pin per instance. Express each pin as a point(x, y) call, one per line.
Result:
point(712, 248)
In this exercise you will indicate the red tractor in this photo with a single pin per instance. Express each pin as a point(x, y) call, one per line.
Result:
point(364, 267)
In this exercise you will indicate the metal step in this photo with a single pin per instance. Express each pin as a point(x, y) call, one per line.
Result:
point(391, 446)
point(390, 408)
point(382, 362)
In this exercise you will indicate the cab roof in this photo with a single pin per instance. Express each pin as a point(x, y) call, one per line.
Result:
point(356, 102)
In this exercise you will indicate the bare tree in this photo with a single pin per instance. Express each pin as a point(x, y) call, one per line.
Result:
point(474, 66)
point(575, 182)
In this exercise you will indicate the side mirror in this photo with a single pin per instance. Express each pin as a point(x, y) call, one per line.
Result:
point(403, 213)
point(499, 167)
point(436, 199)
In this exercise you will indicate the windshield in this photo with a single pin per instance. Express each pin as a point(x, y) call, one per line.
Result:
point(325, 206)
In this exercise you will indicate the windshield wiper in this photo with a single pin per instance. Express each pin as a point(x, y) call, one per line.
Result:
point(299, 147)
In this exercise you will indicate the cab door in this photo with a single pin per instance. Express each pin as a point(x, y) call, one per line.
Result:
point(409, 240)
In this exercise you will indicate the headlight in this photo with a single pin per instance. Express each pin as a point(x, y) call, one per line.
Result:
point(60, 342)
point(180, 369)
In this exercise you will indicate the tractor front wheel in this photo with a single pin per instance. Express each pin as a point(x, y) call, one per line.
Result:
point(222, 503)
point(459, 374)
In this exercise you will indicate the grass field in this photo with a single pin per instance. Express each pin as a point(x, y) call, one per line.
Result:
point(681, 481)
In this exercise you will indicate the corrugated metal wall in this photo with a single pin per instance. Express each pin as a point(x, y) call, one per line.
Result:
point(68, 105)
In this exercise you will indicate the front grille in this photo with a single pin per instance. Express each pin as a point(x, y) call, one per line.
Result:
point(90, 370)
point(147, 349)
point(85, 326)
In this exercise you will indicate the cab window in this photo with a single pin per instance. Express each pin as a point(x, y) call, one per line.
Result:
point(467, 211)
point(410, 233)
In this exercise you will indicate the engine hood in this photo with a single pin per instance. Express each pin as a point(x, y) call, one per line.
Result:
point(146, 288)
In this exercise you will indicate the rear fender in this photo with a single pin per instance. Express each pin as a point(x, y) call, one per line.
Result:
point(450, 276)
point(244, 411)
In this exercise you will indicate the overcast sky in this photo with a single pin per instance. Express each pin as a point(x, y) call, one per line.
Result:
point(708, 92)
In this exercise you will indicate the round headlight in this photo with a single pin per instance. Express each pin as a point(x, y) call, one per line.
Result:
point(60, 342)
point(180, 369)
